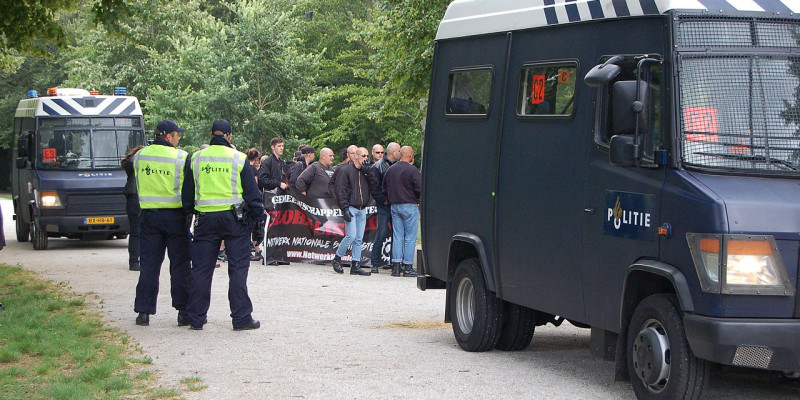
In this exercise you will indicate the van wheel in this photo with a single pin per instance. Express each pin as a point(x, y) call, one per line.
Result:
point(476, 311)
point(38, 236)
point(518, 327)
point(23, 229)
point(660, 362)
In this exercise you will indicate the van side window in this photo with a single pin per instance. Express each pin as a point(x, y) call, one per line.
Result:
point(547, 89)
point(469, 91)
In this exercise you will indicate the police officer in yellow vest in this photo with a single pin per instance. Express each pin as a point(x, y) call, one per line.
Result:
point(159, 172)
point(223, 194)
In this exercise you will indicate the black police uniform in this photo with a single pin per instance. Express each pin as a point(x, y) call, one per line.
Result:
point(163, 229)
point(210, 230)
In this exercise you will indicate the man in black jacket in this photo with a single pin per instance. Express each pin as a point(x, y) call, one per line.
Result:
point(390, 157)
point(307, 155)
point(313, 182)
point(402, 186)
point(273, 174)
point(353, 186)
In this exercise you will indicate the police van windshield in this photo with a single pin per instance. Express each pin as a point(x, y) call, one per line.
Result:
point(86, 143)
point(741, 112)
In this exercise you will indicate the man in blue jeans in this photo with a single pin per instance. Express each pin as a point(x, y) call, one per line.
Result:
point(354, 184)
point(390, 157)
point(401, 184)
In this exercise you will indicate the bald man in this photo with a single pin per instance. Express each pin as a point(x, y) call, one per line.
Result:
point(391, 156)
point(402, 184)
point(314, 181)
point(377, 154)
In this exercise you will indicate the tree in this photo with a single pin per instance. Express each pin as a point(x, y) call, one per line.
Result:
point(402, 33)
point(29, 28)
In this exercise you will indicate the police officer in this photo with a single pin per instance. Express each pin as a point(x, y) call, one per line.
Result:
point(159, 173)
point(224, 195)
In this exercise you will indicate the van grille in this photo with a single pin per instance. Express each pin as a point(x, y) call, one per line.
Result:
point(95, 204)
point(752, 356)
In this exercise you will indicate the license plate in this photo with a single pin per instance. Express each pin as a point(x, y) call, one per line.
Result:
point(98, 220)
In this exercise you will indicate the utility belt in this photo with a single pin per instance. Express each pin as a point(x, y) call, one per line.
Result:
point(240, 211)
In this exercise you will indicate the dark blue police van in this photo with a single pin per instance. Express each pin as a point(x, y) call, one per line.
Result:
point(67, 180)
point(629, 166)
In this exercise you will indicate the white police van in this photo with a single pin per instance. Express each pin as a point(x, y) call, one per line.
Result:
point(67, 180)
point(629, 166)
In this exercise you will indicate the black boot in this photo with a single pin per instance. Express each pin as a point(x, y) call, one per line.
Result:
point(408, 270)
point(183, 318)
point(143, 319)
point(356, 269)
point(337, 265)
point(395, 269)
point(375, 269)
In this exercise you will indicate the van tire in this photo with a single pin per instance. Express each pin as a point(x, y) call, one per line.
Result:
point(38, 236)
point(23, 229)
point(475, 310)
point(656, 333)
point(519, 324)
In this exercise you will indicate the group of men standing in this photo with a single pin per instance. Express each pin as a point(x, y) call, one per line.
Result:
point(214, 190)
point(389, 177)
point(394, 183)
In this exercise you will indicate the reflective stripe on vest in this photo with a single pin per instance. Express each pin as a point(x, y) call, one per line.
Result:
point(159, 176)
point(217, 178)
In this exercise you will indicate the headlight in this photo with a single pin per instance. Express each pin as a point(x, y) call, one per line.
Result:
point(739, 264)
point(48, 199)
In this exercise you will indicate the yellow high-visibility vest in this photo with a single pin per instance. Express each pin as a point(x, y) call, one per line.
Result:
point(217, 178)
point(159, 176)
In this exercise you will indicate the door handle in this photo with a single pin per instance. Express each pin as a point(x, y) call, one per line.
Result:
point(589, 210)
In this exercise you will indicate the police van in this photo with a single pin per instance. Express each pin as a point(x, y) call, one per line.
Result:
point(67, 180)
point(629, 166)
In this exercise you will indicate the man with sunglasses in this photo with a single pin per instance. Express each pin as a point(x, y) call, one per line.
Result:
point(353, 186)
point(390, 157)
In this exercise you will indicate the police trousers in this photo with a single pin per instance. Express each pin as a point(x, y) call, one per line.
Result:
point(160, 230)
point(211, 229)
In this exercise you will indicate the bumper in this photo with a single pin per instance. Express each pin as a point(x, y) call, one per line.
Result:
point(77, 226)
point(772, 344)
point(428, 282)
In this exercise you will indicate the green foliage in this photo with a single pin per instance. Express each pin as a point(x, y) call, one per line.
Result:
point(35, 73)
point(28, 27)
point(402, 34)
point(353, 72)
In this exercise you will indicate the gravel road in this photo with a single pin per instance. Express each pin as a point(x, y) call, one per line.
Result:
point(331, 336)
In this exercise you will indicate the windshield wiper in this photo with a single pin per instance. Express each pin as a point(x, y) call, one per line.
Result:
point(753, 157)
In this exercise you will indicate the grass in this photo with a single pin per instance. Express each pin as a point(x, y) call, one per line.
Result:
point(53, 347)
point(5, 196)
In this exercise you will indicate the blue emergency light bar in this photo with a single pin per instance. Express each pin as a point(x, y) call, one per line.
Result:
point(119, 91)
point(32, 94)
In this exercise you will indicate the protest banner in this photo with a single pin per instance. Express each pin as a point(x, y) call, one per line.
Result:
point(308, 229)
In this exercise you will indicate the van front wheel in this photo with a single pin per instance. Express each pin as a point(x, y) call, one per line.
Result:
point(476, 311)
point(38, 236)
point(660, 362)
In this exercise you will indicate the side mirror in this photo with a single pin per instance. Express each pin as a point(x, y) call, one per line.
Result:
point(603, 73)
point(628, 106)
point(623, 152)
point(22, 145)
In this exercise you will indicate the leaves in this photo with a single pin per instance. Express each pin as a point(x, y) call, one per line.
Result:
point(353, 71)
